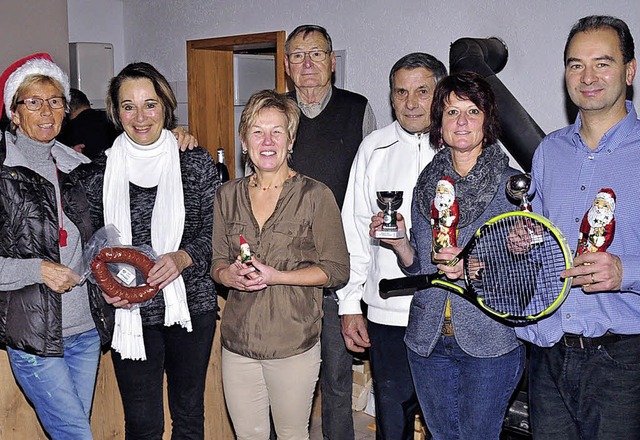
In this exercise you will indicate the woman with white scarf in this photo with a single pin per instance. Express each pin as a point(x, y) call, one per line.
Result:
point(158, 196)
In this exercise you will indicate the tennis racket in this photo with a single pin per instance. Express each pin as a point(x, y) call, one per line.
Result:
point(512, 268)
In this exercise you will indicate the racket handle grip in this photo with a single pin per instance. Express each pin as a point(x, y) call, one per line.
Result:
point(404, 286)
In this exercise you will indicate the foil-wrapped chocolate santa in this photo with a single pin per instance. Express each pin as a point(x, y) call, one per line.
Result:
point(445, 215)
point(245, 251)
point(598, 224)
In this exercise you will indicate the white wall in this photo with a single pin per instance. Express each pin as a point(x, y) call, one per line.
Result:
point(98, 21)
point(375, 33)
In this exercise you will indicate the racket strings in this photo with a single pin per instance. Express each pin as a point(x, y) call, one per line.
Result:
point(515, 267)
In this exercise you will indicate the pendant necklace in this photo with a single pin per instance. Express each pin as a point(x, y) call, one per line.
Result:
point(254, 182)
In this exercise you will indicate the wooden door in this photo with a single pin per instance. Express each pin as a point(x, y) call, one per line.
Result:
point(210, 85)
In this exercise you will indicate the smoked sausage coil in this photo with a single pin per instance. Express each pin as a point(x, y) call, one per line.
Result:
point(108, 283)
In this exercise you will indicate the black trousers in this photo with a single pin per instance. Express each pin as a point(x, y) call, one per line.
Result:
point(336, 376)
point(395, 396)
point(184, 356)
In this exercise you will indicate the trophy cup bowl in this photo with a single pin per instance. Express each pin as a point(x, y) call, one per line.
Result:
point(518, 187)
point(389, 202)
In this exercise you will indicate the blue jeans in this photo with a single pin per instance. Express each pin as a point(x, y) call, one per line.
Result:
point(591, 393)
point(336, 376)
point(185, 358)
point(463, 397)
point(395, 396)
point(61, 388)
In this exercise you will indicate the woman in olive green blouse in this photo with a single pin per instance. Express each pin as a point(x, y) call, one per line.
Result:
point(271, 324)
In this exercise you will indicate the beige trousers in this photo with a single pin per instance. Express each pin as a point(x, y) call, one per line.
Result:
point(287, 385)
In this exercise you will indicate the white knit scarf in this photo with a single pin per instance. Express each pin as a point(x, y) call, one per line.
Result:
point(147, 166)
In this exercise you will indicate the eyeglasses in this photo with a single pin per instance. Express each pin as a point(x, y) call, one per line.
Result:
point(314, 55)
point(34, 104)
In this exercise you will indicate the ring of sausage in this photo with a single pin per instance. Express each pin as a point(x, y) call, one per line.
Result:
point(108, 283)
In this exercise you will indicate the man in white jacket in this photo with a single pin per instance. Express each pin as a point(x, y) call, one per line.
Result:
point(389, 159)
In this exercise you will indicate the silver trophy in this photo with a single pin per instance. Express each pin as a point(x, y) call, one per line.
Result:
point(389, 202)
point(518, 188)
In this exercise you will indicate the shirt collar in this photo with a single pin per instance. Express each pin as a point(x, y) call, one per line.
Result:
point(313, 110)
point(613, 137)
point(404, 135)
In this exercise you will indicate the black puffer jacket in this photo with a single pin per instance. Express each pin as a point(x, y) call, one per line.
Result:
point(31, 317)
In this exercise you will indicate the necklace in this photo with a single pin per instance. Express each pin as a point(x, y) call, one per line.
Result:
point(253, 181)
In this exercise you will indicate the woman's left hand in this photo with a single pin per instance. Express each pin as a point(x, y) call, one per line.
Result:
point(116, 301)
point(168, 267)
point(448, 254)
point(268, 274)
point(239, 276)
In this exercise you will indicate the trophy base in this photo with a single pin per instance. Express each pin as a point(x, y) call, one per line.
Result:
point(390, 234)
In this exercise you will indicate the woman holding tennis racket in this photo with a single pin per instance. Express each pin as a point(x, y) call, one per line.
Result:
point(465, 365)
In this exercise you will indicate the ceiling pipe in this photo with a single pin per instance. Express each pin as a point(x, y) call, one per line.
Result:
point(487, 57)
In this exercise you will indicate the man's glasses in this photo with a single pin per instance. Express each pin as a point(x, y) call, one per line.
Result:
point(314, 55)
point(34, 104)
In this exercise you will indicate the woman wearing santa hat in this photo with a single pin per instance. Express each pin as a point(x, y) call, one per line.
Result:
point(465, 365)
point(52, 327)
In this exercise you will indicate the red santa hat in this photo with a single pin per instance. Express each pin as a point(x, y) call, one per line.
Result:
point(36, 64)
point(608, 196)
point(448, 183)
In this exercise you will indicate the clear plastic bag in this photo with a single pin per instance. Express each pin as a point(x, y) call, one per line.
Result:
point(126, 274)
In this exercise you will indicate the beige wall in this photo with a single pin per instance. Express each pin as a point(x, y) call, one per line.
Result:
point(30, 26)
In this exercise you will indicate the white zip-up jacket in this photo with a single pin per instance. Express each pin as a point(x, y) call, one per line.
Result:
point(389, 159)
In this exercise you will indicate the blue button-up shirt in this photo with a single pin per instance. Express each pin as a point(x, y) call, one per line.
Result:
point(566, 176)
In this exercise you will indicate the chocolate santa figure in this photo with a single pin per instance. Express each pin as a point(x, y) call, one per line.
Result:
point(444, 216)
point(598, 224)
point(245, 251)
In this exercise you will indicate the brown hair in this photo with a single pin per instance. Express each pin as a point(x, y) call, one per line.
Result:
point(160, 84)
point(465, 85)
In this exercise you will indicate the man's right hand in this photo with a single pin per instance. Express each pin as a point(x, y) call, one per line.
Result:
point(354, 332)
point(184, 139)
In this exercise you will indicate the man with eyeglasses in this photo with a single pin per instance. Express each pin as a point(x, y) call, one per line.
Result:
point(333, 122)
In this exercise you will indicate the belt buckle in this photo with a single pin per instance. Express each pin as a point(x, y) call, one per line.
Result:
point(570, 341)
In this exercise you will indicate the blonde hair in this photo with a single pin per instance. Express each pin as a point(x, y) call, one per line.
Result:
point(269, 99)
point(28, 82)
point(263, 100)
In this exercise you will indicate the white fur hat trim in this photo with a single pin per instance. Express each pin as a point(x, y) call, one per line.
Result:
point(35, 66)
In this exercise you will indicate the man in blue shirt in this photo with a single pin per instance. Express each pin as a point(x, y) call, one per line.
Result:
point(585, 359)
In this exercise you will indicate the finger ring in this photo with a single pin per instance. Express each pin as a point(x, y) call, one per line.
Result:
point(593, 281)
